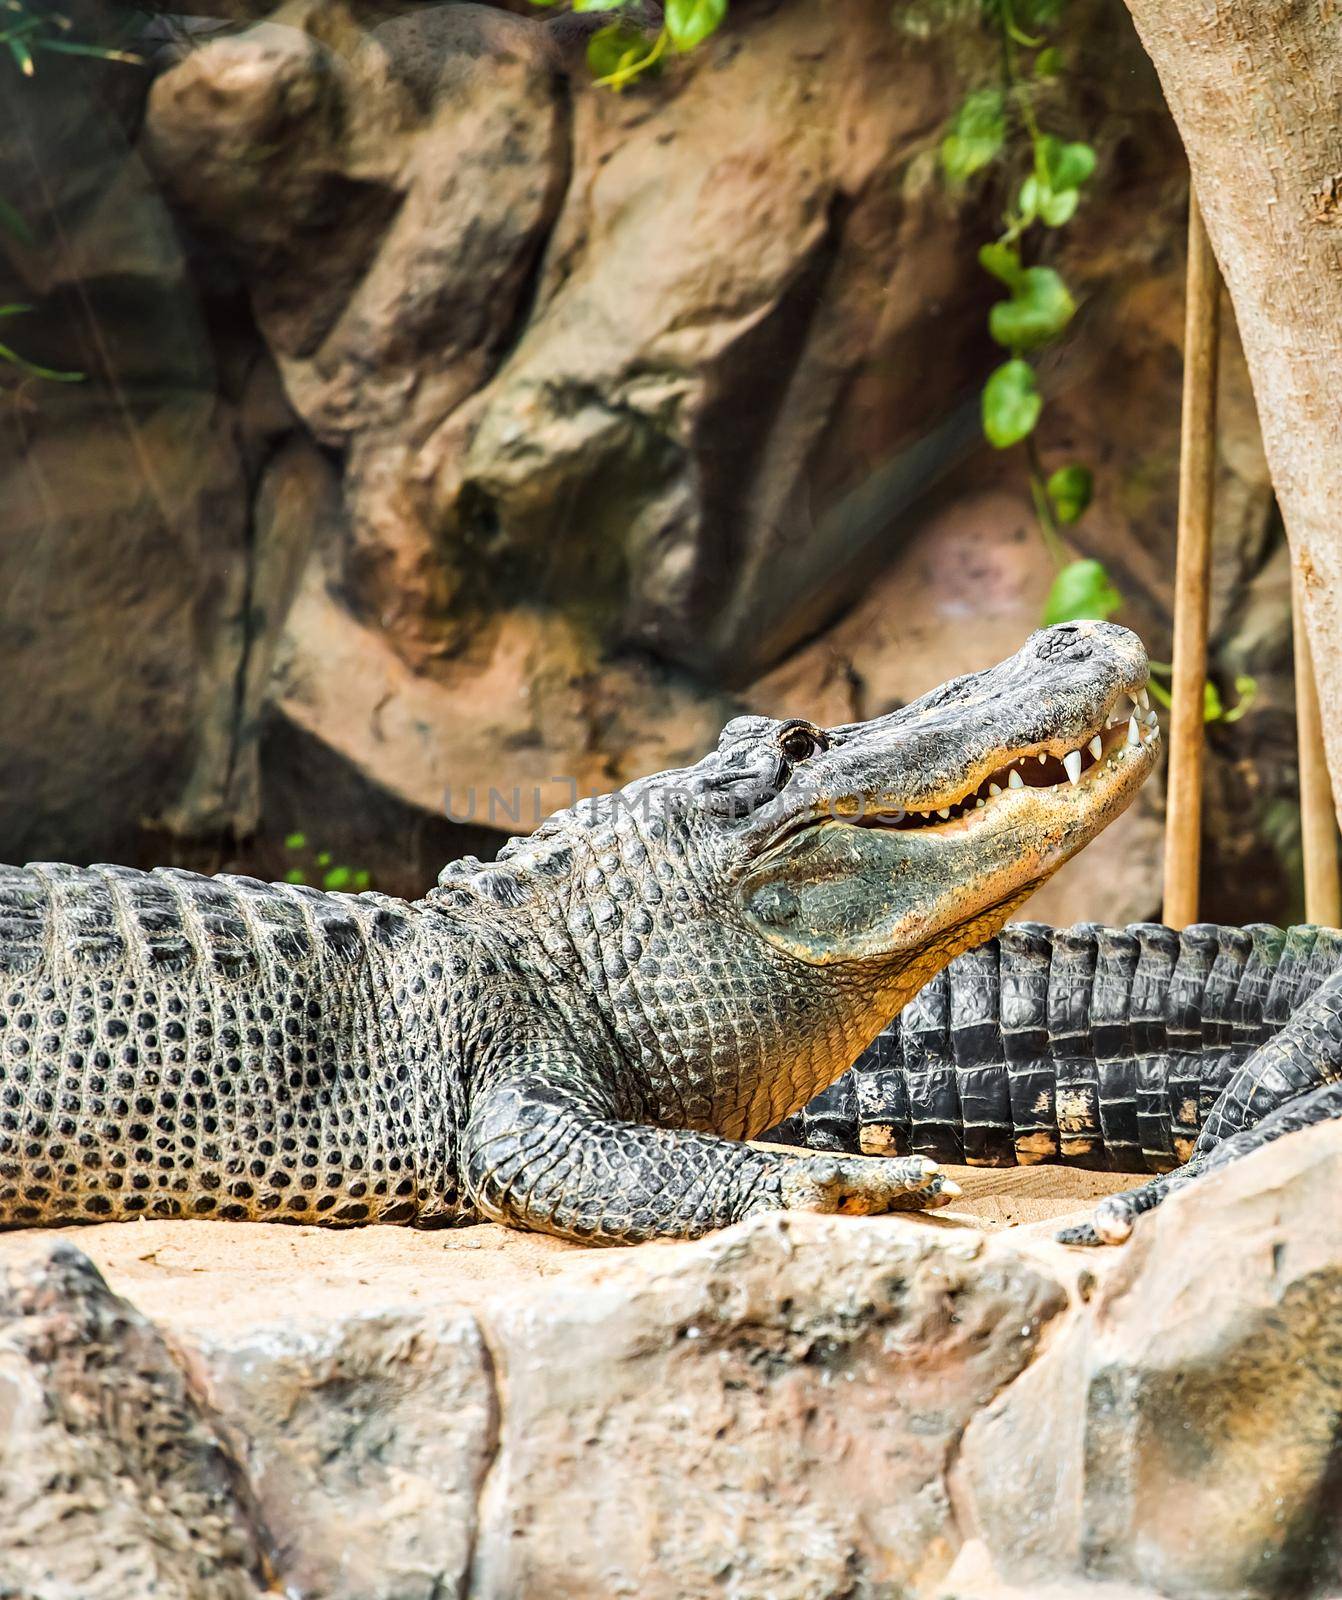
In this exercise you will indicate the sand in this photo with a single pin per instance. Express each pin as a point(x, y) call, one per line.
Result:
point(229, 1275)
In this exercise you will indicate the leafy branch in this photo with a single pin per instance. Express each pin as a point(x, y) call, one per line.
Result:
point(25, 31)
point(992, 124)
point(1214, 709)
point(620, 52)
point(998, 123)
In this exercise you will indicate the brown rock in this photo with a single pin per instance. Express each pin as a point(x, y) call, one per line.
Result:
point(633, 411)
point(365, 1440)
point(769, 1413)
point(112, 1484)
point(1191, 1436)
point(387, 192)
point(123, 613)
point(123, 499)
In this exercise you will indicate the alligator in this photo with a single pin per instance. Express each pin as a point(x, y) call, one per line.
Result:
point(580, 1036)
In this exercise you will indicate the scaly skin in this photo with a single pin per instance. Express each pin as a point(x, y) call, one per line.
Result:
point(572, 1037)
point(1134, 1049)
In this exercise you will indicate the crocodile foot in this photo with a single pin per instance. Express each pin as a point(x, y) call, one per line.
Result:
point(865, 1185)
point(1112, 1220)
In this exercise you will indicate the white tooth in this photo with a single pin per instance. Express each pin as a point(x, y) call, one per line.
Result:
point(1042, 758)
point(1072, 765)
point(1134, 733)
point(1015, 781)
point(978, 804)
point(945, 811)
point(1143, 699)
point(1151, 719)
point(1095, 746)
point(994, 789)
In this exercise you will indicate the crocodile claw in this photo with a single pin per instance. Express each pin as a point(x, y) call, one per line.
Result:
point(1111, 1223)
point(866, 1185)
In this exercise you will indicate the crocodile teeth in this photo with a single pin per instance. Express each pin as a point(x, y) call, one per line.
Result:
point(1134, 733)
point(944, 811)
point(1143, 699)
point(1042, 758)
point(1072, 766)
point(994, 789)
point(1095, 746)
point(1015, 781)
point(978, 804)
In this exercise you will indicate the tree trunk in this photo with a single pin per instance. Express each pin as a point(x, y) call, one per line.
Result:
point(1256, 90)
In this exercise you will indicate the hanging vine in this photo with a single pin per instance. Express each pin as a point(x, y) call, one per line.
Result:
point(996, 124)
point(1000, 124)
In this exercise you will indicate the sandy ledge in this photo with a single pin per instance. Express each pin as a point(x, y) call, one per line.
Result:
point(232, 1274)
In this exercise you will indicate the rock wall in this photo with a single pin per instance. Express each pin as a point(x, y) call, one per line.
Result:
point(799, 1407)
point(516, 433)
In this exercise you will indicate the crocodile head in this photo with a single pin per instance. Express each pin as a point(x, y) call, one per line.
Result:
point(927, 827)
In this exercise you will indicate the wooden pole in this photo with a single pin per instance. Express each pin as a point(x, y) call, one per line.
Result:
point(1318, 819)
point(1192, 577)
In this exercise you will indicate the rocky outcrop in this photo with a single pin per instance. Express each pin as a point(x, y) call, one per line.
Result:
point(799, 1407)
point(112, 1481)
point(1194, 1442)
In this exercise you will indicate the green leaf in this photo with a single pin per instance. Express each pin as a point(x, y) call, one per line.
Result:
point(1037, 200)
point(337, 878)
point(295, 875)
point(1060, 207)
point(323, 858)
point(614, 49)
point(1003, 261)
point(1081, 589)
point(296, 841)
point(362, 878)
point(1064, 166)
point(13, 222)
point(1047, 64)
point(22, 54)
point(1011, 404)
point(99, 52)
point(1039, 308)
point(598, 5)
point(1247, 690)
point(689, 22)
point(1069, 490)
point(50, 373)
point(976, 135)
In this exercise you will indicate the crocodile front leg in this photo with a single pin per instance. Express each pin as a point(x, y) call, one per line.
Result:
point(1291, 1082)
point(545, 1149)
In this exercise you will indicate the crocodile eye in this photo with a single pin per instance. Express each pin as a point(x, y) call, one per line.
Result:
point(800, 742)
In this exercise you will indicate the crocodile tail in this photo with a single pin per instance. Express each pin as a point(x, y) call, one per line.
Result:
point(1092, 1046)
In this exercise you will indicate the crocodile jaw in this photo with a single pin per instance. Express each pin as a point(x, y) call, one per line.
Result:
point(867, 879)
